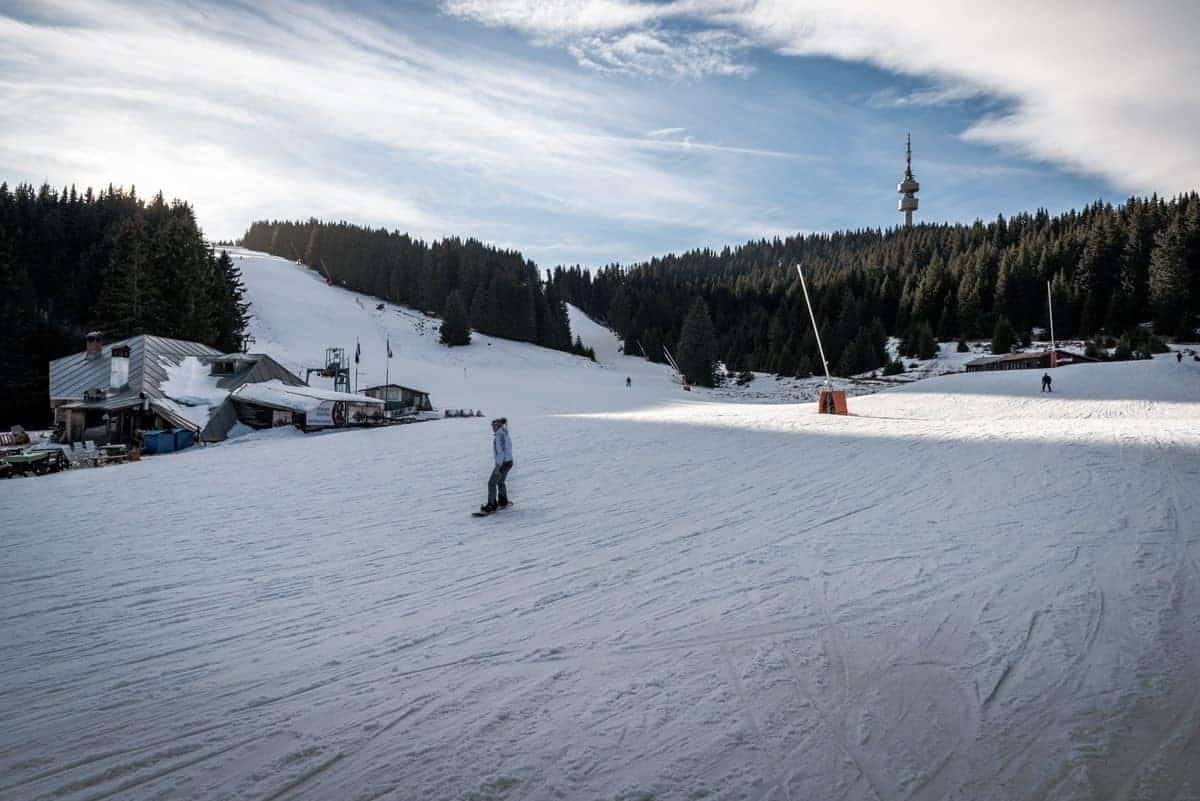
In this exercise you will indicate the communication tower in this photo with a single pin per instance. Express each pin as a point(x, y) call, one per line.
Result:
point(908, 188)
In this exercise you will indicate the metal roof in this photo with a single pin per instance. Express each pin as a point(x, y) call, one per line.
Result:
point(255, 368)
point(73, 375)
point(390, 386)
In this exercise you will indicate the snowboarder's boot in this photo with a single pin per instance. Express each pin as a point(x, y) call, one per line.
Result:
point(503, 503)
point(488, 508)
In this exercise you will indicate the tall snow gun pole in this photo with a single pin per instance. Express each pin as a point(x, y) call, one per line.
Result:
point(829, 400)
point(674, 366)
point(1053, 344)
point(811, 316)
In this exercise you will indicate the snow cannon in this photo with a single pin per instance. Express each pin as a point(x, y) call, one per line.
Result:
point(831, 401)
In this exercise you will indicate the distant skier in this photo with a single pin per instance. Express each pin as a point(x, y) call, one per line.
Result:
point(1046, 382)
point(628, 382)
point(1178, 356)
point(502, 450)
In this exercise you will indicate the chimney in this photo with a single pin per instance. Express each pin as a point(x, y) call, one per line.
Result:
point(119, 372)
point(94, 341)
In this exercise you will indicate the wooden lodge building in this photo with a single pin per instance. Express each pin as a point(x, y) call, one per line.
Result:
point(107, 392)
point(110, 393)
point(1031, 360)
point(400, 400)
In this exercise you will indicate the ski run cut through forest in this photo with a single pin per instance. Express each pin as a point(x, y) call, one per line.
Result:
point(966, 589)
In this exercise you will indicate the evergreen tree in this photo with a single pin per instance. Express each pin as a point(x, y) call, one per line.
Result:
point(456, 328)
point(698, 346)
point(233, 316)
point(927, 346)
point(1002, 336)
point(848, 364)
point(1169, 281)
point(131, 298)
point(485, 310)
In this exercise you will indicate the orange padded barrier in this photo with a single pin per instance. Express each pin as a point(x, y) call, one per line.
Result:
point(832, 401)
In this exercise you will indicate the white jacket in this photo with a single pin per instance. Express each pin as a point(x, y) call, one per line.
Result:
point(502, 445)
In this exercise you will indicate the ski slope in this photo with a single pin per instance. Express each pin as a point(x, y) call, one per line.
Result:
point(966, 590)
point(296, 316)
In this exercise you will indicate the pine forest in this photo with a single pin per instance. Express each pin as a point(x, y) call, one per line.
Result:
point(1110, 270)
point(71, 262)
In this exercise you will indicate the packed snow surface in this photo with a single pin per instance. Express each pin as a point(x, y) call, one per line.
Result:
point(966, 590)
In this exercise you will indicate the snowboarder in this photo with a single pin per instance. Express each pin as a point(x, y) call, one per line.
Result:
point(1046, 382)
point(502, 450)
point(628, 382)
point(1178, 356)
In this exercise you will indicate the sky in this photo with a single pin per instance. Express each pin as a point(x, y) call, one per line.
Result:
point(600, 131)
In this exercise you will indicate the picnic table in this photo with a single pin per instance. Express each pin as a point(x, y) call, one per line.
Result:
point(114, 454)
point(37, 462)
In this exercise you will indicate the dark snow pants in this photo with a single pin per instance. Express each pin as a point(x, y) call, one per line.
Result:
point(496, 482)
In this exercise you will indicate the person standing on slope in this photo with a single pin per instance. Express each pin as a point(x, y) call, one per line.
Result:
point(628, 382)
point(1046, 382)
point(502, 451)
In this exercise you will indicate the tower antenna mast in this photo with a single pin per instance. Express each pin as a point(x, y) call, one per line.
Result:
point(908, 187)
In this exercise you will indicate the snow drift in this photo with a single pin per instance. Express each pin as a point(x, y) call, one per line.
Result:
point(965, 590)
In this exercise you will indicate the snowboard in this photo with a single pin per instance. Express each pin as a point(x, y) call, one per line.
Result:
point(479, 513)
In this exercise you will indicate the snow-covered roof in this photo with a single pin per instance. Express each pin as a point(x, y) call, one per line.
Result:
point(1023, 355)
point(297, 399)
point(191, 392)
point(149, 357)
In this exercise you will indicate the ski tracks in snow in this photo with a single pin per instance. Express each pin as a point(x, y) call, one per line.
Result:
point(717, 601)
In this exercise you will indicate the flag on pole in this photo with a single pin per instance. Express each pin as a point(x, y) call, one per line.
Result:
point(357, 351)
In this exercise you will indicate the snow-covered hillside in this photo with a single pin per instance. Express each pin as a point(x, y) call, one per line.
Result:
point(296, 316)
point(967, 590)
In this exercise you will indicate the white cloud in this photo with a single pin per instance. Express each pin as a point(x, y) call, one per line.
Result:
point(921, 98)
point(557, 18)
point(660, 140)
point(1109, 88)
point(617, 37)
point(664, 54)
point(293, 110)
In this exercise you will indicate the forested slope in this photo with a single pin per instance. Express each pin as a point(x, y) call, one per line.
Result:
point(1110, 268)
point(500, 291)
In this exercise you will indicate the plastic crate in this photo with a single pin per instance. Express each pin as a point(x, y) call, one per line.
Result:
point(158, 441)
